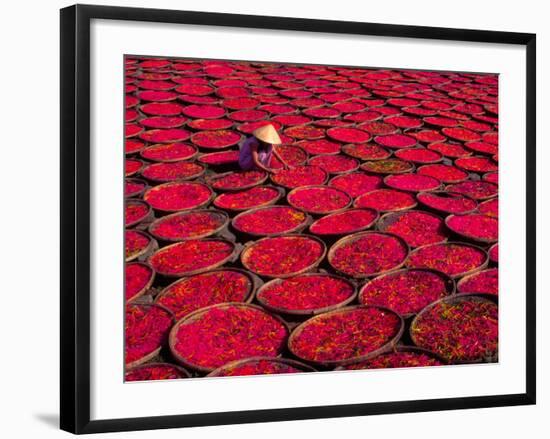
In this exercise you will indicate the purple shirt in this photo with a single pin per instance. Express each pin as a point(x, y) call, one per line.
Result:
point(246, 161)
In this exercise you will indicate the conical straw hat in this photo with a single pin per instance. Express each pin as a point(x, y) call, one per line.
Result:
point(267, 134)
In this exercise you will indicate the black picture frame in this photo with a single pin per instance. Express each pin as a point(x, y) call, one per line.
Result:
point(75, 217)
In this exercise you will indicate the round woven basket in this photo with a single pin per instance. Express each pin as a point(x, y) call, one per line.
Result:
point(230, 258)
point(246, 251)
point(450, 286)
point(198, 206)
point(180, 369)
point(286, 361)
point(154, 353)
point(255, 283)
point(468, 236)
point(144, 218)
point(451, 299)
point(296, 229)
point(275, 200)
point(403, 348)
point(334, 363)
point(153, 244)
point(223, 216)
point(336, 234)
point(401, 209)
point(211, 180)
point(136, 193)
point(443, 194)
point(309, 312)
point(196, 314)
point(147, 285)
point(323, 212)
point(390, 218)
point(455, 276)
point(355, 236)
point(365, 168)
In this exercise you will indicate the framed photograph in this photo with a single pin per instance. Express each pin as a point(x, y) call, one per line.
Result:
point(275, 218)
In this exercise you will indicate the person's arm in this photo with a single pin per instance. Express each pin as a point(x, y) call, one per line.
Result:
point(285, 164)
point(258, 163)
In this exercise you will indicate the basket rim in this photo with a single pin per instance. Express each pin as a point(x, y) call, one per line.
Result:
point(308, 312)
point(355, 236)
point(490, 250)
point(450, 284)
point(156, 222)
point(287, 361)
point(173, 331)
point(385, 347)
